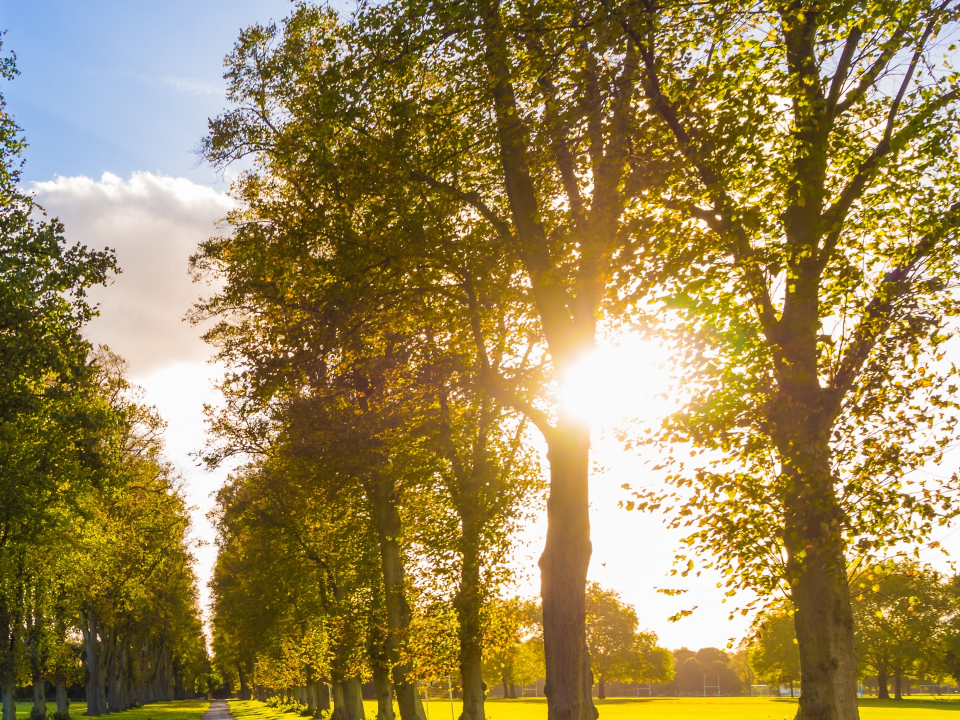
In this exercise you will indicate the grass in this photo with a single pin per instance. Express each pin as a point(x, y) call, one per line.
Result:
point(745, 708)
point(177, 710)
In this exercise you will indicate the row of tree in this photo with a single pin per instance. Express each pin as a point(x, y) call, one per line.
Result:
point(445, 205)
point(93, 526)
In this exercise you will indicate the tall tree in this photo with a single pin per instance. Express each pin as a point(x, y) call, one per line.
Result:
point(807, 262)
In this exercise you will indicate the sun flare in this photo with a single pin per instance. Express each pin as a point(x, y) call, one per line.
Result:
point(619, 381)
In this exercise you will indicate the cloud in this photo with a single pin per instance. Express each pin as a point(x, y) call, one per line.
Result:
point(194, 87)
point(155, 223)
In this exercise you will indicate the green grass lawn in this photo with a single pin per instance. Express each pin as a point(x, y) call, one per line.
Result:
point(745, 708)
point(177, 710)
point(651, 709)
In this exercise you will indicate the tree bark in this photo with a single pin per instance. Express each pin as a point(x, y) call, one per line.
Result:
point(322, 692)
point(824, 627)
point(381, 680)
point(39, 699)
point(898, 687)
point(387, 518)
point(63, 702)
point(242, 676)
point(469, 606)
point(347, 700)
point(882, 692)
point(92, 646)
point(563, 575)
point(601, 689)
point(9, 689)
point(816, 564)
point(353, 699)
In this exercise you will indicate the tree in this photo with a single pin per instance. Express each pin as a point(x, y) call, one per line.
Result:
point(774, 655)
point(807, 271)
point(902, 612)
point(611, 627)
point(618, 652)
point(706, 667)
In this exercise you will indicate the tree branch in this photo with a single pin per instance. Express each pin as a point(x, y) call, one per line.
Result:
point(833, 217)
point(490, 378)
point(879, 313)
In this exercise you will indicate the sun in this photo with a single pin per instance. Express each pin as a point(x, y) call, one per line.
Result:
point(622, 380)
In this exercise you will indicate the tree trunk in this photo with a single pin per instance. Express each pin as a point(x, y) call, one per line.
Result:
point(824, 626)
point(563, 576)
point(381, 681)
point(791, 688)
point(506, 686)
point(9, 690)
point(897, 687)
point(39, 699)
point(469, 606)
point(882, 692)
point(63, 702)
point(92, 646)
point(816, 566)
point(10, 624)
point(244, 688)
point(322, 693)
point(347, 700)
point(387, 517)
point(566, 554)
point(353, 699)
point(601, 689)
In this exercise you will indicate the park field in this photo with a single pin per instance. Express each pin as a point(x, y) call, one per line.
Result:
point(745, 708)
point(176, 710)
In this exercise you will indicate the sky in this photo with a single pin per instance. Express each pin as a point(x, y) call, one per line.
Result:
point(114, 98)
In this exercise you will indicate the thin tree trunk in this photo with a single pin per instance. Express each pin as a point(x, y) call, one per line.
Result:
point(506, 687)
point(791, 688)
point(601, 689)
point(387, 517)
point(563, 576)
point(898, 687)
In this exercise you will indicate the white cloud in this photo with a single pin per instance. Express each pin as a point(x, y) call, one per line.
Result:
point(154, 223)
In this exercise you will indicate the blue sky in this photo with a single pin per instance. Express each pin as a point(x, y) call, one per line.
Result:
point(121, 85)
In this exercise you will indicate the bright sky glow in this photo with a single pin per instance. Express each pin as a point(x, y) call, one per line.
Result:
point(617, 382)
